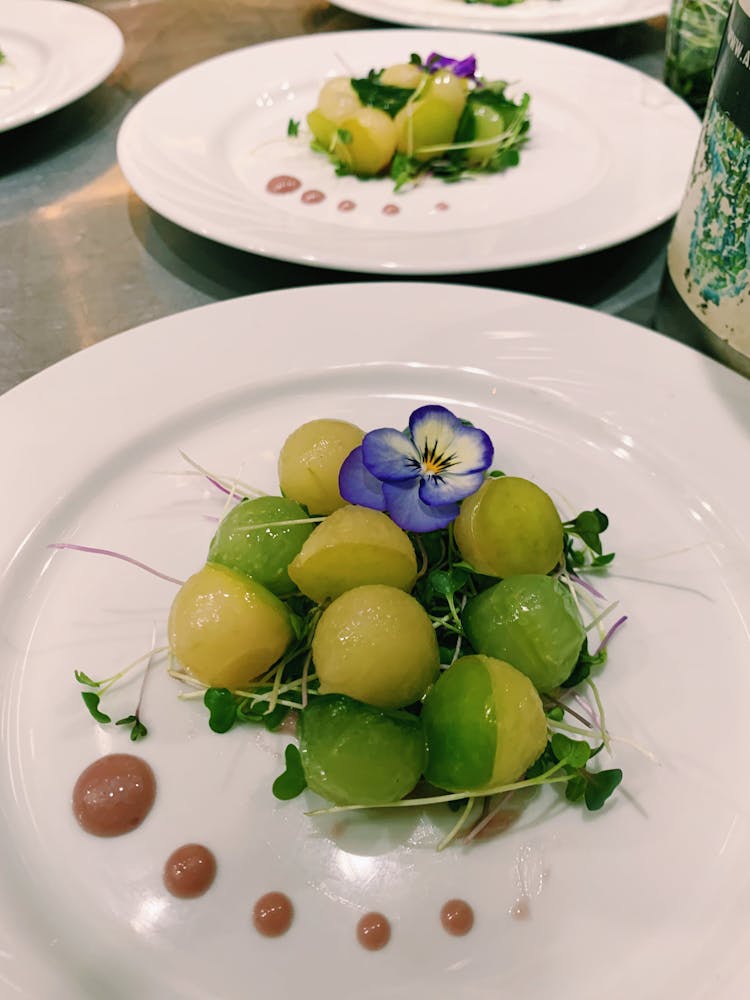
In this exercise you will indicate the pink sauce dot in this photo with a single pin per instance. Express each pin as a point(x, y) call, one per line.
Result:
point(391, 209)
point(313, 197)
point(283, 184)
point(346, 205)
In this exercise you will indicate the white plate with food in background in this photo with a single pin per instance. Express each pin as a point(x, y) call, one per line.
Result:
point(53, 52)
point(608, 156)
point(538, 17)
point(646, 896)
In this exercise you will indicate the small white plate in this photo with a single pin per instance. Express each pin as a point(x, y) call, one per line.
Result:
point(647, 898)
point(542, 17)
point(55, 52)
point(608, 158)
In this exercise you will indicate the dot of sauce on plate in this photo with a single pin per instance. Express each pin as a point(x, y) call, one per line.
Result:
point(374, 931)
point(114, 795)
point(346, 205)
point(442, 206)
point(283, 184)
point(313, 197)
point(457, 917)
point(189, 871)
point(391, 209)
point(272, 914)
point(521, 910)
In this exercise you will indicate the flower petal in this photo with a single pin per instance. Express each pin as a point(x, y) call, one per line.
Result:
point(459, 67)
point(359, 486)
point(439, 432)
point(390, 455)
point(410, 513)
point(449, 488)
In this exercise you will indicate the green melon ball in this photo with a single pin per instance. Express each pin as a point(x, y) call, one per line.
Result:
point(508, 527)
point(532, 622)
point(262, 553)
point(356, 754)
point(376, 644)
point(484, 725)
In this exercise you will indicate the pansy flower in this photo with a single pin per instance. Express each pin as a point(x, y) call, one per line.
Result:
point(459, 67)
point(418, 476)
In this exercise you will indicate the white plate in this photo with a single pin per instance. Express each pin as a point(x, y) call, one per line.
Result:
point(647, 898)
point(55, 52)
point(609, 155)
point(529, 17)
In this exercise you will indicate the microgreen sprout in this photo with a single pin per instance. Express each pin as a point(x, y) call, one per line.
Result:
point(292, 128)
point(115, 555)
point(92, 698)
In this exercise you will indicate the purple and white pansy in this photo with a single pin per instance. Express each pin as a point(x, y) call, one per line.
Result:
point(418, 476)
point(466, 67)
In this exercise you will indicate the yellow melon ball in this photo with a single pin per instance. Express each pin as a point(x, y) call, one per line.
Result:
point(376, 644)
point(352, 547)
point(310, 461)
point(225, 629)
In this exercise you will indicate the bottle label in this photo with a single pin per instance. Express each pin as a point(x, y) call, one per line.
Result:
point(709, 253)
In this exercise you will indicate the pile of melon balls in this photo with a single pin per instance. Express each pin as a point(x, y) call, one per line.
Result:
point(383, 712)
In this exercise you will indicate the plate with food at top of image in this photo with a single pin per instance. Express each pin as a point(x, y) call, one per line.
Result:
point(411, 152)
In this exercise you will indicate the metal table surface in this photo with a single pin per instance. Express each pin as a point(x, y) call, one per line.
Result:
point(83, 258)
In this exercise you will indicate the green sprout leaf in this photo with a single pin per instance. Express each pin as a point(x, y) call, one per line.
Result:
point(291, 782)
point(575, 753)
point(386, 98)
point(222, 707)
point(599, 787)
point(137, 730)
point(293, 127)
point(344, 135)
point(85, 679)
point(91, 700)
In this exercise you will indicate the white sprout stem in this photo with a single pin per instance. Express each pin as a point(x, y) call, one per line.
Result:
point(154, 651)
point(542, 779)
point(600, 710)
point(484, 822)
point(247, 489)
point(458, 824)
point(595, 621)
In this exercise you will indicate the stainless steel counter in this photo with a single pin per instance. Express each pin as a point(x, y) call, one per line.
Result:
point(83, 258)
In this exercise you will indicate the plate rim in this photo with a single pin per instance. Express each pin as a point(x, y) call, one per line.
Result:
point(108, 47)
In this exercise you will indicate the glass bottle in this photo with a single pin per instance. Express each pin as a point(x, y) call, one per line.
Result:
point(706, 291)
point(694, 33)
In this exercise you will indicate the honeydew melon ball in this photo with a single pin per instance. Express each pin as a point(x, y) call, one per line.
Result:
point(488, 127)
point(484, 725)
point(322, 128)
point(226, 629)
point(426, 122)
point(376, 644)
point(406, 75)
point(263, 553)
point(510, 526)
point(352, 547)
point(310, 461)
point(337, 99)
point(355, 754)
point(449, 88)
point(533, 622)
point(371, 141)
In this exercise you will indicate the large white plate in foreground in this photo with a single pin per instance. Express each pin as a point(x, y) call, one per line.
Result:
point(529, 17)
point(647, 898)
point(608, 158)
point(55, 52)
